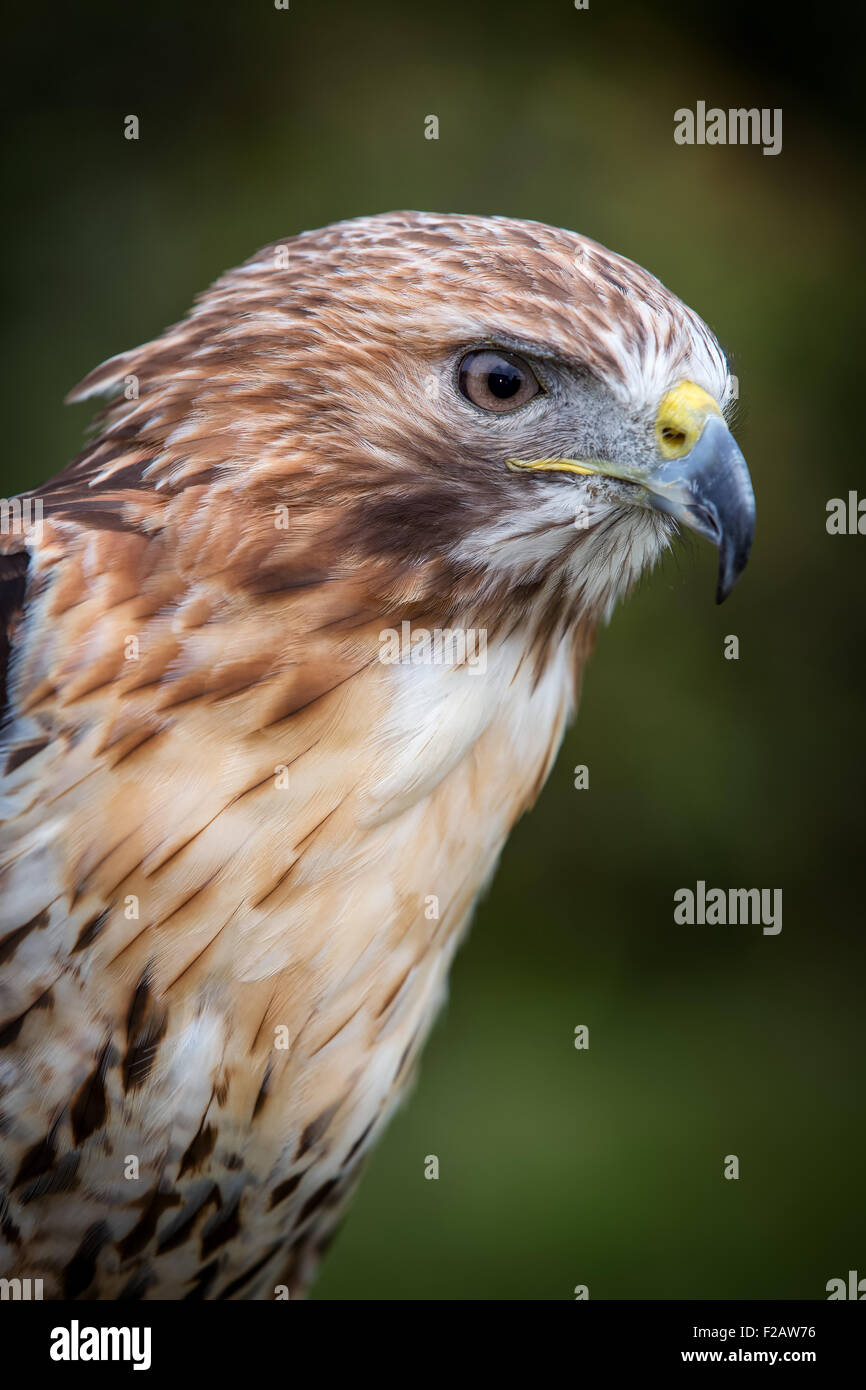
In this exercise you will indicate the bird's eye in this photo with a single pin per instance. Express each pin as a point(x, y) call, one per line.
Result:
point(498, 381)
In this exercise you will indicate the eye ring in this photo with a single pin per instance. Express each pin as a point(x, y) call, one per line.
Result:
point(496, 381)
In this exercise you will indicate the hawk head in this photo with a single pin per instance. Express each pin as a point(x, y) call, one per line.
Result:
point(493, 413)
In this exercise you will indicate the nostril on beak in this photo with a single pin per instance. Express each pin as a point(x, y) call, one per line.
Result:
point(681, 418)
point(676, 437)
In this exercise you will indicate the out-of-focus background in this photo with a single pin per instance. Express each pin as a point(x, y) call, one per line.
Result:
point(558, 1167)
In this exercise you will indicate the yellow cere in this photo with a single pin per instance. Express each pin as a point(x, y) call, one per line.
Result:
point(681, 418)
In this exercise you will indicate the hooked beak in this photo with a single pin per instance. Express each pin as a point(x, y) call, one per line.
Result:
point(701, 478)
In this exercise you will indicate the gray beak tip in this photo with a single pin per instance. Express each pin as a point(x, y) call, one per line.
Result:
point(731, 565)
point(718, 500)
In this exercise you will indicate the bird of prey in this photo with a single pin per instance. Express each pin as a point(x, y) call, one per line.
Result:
point(242, 829)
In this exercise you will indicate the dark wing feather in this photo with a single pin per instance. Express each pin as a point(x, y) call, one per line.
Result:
point(13, 583)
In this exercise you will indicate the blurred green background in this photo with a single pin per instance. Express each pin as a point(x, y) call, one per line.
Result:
point(558, 1167)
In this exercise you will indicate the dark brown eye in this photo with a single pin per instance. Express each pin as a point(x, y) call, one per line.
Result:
point(497, 381)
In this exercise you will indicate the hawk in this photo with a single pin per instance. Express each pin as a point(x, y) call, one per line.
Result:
point(239, 842)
